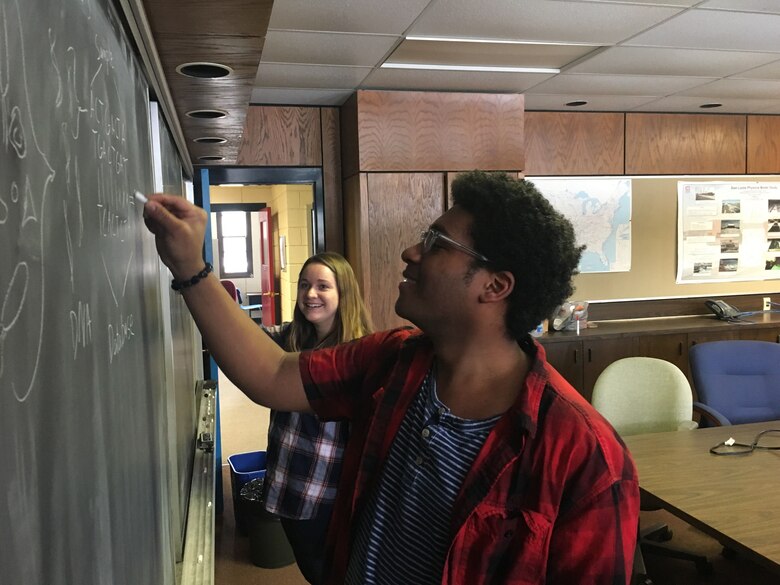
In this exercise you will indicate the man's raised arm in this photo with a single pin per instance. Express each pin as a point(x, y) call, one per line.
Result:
point(250, 358)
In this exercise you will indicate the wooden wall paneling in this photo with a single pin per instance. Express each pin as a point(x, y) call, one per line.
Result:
point(400, 205)
point(452, 176)
point(763, 144)
point(574, 143)
point(281, 136)
point(331, 178)
point(433, 131)
point(685, 144)
point(356, 242)
point(350, 157)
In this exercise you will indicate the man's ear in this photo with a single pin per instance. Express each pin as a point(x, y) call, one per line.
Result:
point(498, 287)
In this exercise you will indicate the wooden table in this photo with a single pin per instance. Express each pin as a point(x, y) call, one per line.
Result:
point(735, 498)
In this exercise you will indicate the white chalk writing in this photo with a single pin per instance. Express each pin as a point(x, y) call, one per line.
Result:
point(80, 328)
point(118, 336)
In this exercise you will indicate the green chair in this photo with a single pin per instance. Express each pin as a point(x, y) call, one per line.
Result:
point(648, 395)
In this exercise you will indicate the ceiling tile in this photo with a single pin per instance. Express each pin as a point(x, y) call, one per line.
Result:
point(539, 20)
point(596, 103)
point(713, 29)
point(682, 3)
point(661, 61)
point(618, 84)
point(770, 71)
point(309, 76)
point(769, 6)
point(368, 16)
point(773, 109)
point(738, 88)
point(479, 81)
point(678, 103)
point(326, 48)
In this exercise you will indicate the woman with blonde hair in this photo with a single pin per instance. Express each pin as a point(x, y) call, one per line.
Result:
point(304, 455)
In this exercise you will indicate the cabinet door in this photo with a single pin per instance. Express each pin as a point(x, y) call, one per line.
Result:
point(566, 357)
point(671, 347)
point(694, 338)
point(599, 353)
point(771, 335)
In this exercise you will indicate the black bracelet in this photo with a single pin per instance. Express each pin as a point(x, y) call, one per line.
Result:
point(177, 285)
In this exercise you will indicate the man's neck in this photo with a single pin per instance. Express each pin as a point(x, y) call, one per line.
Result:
point(478, 379)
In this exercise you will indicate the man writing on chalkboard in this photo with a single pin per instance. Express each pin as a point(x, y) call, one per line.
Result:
point(471, 459)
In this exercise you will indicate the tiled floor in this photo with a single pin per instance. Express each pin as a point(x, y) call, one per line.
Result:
point(233, 565)
point(244, 428)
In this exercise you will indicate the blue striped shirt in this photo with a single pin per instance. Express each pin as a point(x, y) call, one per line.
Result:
point(404, 532)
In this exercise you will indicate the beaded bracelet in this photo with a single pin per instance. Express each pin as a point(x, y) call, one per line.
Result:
point(177, 285)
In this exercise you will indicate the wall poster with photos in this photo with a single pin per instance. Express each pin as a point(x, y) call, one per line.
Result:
point(728, 232)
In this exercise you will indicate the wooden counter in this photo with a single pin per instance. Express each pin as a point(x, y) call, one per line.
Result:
point(581, 358)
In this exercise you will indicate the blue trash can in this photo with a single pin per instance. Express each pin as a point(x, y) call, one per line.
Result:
point(244, 467)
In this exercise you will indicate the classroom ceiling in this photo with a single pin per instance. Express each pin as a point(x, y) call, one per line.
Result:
point(635, 56)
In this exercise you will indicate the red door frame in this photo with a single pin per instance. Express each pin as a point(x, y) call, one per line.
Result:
point(267, 276)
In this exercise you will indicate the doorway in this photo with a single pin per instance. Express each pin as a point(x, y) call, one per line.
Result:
point(243, 424)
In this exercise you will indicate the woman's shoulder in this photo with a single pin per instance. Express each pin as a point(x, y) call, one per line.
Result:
point(279, 333)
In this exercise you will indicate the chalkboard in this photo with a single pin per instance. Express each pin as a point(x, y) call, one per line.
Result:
point(84, 403)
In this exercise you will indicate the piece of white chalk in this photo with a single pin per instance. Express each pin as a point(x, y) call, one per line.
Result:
point(141, 197)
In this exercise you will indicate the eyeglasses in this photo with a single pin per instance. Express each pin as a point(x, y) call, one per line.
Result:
point(429, 237)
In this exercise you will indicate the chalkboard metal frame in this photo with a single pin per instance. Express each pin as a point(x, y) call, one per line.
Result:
point(277, 176)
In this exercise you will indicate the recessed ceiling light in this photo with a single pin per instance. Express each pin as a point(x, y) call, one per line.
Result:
point(577, 103)
point(203, 70)
point(206, 114)
point(437, 67)
point(211, 158)
point(710, 106)
point(210, 140)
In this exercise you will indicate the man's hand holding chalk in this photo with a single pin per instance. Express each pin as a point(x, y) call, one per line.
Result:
point(179, 228)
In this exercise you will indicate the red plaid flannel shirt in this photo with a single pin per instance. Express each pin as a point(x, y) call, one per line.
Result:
point(552, 497)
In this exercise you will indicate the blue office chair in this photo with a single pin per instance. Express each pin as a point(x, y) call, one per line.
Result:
point(736, 381)
point(648, 395)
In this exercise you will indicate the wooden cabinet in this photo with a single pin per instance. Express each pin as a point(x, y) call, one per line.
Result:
point(574, 143)
point(763, 144)
point(703, 337)
point(581, 359)
point(772, 335)
point(670, 144)
point(672, 347)
point(566, 357)
point(396, 150)
point(599, 353)
point(410, 131)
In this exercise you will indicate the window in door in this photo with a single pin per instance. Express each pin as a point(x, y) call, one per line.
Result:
point(234, 238)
